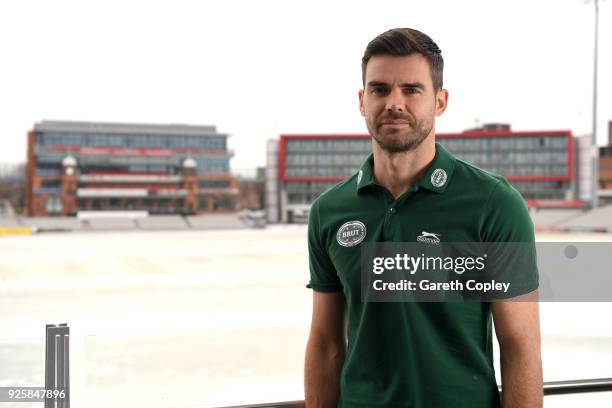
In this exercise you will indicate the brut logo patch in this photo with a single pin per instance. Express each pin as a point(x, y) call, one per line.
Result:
point(438, 178)
point(351, 233)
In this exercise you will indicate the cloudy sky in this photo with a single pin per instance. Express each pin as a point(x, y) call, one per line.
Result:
point(257, 69)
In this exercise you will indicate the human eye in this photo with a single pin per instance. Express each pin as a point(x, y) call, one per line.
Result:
point(412, 90)
point(378, 90)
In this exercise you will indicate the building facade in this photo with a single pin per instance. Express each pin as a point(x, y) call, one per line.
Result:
point(605, 169)
point(74, 167)
point(251, 190)
point(540, 164)
point(12, 185)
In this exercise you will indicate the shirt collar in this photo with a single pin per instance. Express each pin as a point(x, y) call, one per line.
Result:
point(436, 178)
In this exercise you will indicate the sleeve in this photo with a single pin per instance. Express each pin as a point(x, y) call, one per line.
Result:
point(508, 233)
point(323, 276)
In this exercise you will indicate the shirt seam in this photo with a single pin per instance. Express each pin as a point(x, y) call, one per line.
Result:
point(486, 206)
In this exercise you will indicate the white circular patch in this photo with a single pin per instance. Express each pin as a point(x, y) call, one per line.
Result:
point(351, 233)
point(359, 176)
point(438, 178)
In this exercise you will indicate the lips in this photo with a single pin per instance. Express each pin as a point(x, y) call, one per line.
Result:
point(395, 121)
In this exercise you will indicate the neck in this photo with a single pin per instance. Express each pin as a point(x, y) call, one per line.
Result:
point(397, 172)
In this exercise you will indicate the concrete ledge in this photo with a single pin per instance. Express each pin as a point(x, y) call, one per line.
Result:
point(230, 221)
point(599, 218)
point(43, 224)
point(10, 222)
point(162, 222)
point(544, 218)
point(110, 224)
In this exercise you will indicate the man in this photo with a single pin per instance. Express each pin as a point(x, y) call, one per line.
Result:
point(414, 354)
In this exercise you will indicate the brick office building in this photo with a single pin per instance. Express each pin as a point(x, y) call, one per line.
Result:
point(160, 169)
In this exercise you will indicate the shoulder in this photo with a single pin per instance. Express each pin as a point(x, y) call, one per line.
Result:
point(503, 213)
point(490, 186)
point(470, 174)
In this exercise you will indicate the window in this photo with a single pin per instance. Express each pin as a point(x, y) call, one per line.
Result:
point(214, 183)
point(53, 205)
point(51, 183)
point(224, 204)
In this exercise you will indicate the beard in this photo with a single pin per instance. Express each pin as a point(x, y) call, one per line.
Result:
point(395, 141)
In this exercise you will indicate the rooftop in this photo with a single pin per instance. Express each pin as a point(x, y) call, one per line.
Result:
point(123, 128)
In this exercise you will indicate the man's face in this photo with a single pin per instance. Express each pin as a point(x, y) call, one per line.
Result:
point(399, 103)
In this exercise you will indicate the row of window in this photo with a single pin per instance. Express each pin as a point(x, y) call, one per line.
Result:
point(51, 183)
point(543, 196)
point(301, 198)
point(301, 159)
point(467, 143)
point(213, 166)
point(320, 171)
point(327, 145)
point(513, 157)
point(529, 170)
point(129, 140)
point(56, 158)
point(157, 205)
point(308, 186)
point(539, 185)
point(504, 143)
point(44, 171)
point(153, 164)
point(214, 183)
point(48, 190)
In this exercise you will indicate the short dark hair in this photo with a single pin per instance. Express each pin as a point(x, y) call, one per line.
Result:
point(401, 42)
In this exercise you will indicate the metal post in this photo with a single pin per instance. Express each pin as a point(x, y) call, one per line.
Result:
point(57, 358)
point(595, 153)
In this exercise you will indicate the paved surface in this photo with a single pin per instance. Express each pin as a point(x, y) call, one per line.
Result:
point(204, 318)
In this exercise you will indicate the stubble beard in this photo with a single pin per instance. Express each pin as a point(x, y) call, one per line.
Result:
point(396, 141)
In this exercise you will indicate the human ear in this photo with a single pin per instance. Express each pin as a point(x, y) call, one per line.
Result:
point(441, 101)
point(361, 109)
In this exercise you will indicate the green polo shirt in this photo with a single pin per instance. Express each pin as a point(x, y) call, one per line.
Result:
point(416, 354)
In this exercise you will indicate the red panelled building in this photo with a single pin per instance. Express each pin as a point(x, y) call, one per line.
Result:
point(540, 164)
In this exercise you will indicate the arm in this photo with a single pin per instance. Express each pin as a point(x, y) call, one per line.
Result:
point(517, 325)
point(325, 350)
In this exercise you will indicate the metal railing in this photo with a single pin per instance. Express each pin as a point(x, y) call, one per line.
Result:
point(57, 375)
point(57, 363)
point(550, 388)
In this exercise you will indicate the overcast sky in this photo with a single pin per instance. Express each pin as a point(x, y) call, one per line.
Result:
point(257, 69)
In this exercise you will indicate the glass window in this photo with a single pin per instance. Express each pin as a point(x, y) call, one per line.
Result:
point(51, 183)
point(53, 205)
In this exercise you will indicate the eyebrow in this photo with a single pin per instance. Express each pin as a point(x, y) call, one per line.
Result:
point(403, 85)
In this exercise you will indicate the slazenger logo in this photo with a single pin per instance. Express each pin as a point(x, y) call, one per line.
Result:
point(351, 233)
point(429, 238)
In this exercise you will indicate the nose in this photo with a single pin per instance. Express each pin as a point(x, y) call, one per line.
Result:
point(395, 102)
